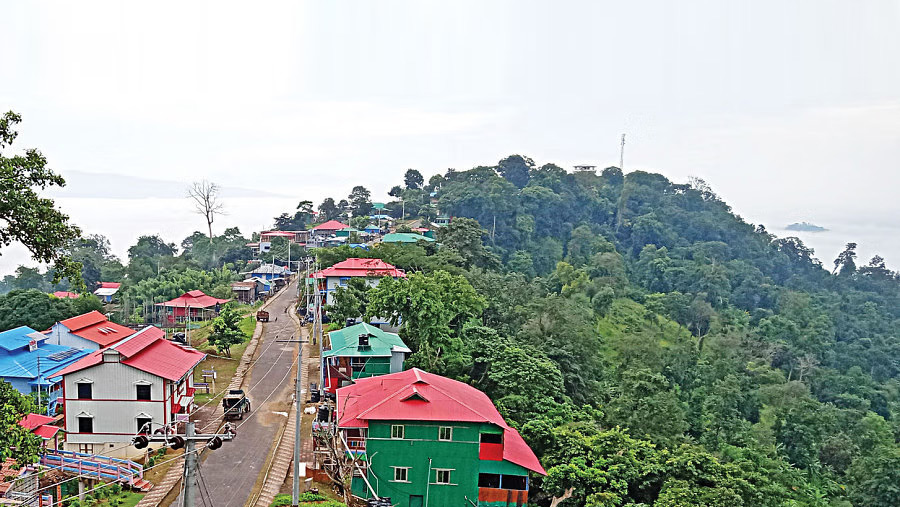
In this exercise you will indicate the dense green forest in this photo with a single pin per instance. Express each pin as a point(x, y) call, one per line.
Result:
point(651, 346)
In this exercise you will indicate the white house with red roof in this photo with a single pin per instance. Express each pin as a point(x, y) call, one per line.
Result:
point(339, 275)
point(88, 331)
point(113, 392)
point(422, 436)
point(107, 290)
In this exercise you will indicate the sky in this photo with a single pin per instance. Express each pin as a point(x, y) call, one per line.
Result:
point(790, 110)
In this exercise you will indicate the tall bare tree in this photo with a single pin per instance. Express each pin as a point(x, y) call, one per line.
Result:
point(205, 195)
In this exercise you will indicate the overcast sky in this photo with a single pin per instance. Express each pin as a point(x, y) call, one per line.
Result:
point(790, 110)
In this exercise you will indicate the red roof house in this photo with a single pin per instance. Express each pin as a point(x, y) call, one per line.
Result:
point(89, 331)
point(330, 226)
point(339, 274)
point(40, 425)
point(195, 300)
point(66, 295)
point(142, 381)
point(416, 395)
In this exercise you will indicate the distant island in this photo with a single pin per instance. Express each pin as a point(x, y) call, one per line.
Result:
point(805, 227)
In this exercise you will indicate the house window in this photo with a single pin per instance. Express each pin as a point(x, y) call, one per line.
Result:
point(343, 281)
point(488, 480)
point(442, 476)
point(518, 482)
point(445, 433)
point(397, 431)
point(86, 448)
point(357, 363)
point(143, 425)
point(85, 425)
point(401, 474)
point(491, 438)
point(85, 392)
point(143, 392)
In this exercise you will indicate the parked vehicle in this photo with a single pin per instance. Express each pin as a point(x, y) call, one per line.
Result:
point(236, 404)
point(262, 316)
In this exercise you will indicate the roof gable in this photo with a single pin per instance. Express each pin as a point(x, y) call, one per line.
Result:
point(331, 225)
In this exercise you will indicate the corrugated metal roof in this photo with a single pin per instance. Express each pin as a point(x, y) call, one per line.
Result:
point(416, 395)
point(98, 329)
point(83, 320)
point(405, 237)
point(193, 299)
point(36, 365)
point(345, 342)
point(146, 350)
point(357, 267)
point(331, 225)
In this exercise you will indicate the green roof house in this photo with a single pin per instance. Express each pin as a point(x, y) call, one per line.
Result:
point(405, 237)
point(361, 351)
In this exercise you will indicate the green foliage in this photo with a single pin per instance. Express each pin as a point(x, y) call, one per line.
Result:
point(28, 218)
point(226, 330)
point(175, 282)
point(39, 310)
point(433, 308)
point(18, 443)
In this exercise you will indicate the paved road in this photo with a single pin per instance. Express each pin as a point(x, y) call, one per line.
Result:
point(230, 472)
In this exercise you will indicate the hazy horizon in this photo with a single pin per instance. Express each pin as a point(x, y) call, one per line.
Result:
point(790, 112)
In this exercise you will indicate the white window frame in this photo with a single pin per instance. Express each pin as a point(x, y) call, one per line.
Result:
point(441, 430)
point(437, 475)
point(402, 431)
point(405, 474)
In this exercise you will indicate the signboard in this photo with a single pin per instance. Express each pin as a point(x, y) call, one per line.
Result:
point(182, 418)
point(265, 246)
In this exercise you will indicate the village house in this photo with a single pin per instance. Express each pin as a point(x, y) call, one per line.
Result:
point(107, 290)
point(61, 294)
point(405, 237)
point(193, 305)
point(430, 441)
point(143, 381)
point(245, 292)
point(30, 363)
point(360, 351)
point(372, 270)
point(88, 331)
point(268, 272)
point(328, 228)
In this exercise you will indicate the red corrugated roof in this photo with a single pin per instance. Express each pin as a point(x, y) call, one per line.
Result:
point(63, 294)
point(32, 421)
point(38, 424)
point(83, 320)
point(95, 327)
point(109, 285)
point(166, 359)
point(193, 299)
point(146, 350)
point(356, 267)
point(416, 395)
point(331, 225)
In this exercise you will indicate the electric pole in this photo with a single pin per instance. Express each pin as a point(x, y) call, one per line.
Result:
point(295, 492)
point(188, 441)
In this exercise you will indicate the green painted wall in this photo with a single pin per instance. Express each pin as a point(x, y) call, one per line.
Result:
point(374, 367)
point(420, 443)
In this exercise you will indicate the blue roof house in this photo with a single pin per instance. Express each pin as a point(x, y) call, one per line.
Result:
point(29, 363)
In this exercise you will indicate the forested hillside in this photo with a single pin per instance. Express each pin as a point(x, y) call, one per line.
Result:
point(651, 346)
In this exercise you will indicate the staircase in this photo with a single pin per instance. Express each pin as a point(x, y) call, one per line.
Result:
point(95, 466)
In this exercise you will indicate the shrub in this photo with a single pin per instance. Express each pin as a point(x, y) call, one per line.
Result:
point(311, 497)
point(281, 501)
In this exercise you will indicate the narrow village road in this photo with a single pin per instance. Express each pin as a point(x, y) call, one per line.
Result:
point(230, 473)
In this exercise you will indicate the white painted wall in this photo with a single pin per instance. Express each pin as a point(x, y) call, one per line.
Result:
point(60, 335)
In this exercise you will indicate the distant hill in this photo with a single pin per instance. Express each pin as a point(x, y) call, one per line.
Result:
point(805, 227)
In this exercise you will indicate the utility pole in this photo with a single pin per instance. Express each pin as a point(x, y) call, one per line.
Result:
point(622, 155)
point(295, 492)
point(188, 441)
point(190, 465)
